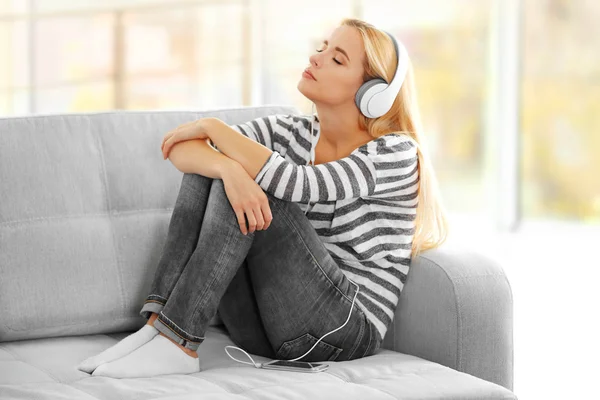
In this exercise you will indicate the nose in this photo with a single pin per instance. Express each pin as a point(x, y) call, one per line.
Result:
point(314, 59)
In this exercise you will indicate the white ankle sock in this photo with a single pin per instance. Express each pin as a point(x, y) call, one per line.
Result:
point(124, 347)
point(159, 356)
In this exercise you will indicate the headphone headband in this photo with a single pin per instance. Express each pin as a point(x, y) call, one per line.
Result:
point(375, 97)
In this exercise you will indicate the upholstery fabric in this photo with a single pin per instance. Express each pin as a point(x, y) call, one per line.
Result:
point(85, 203)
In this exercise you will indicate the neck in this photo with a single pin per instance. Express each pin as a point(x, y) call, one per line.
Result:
point(339, 130)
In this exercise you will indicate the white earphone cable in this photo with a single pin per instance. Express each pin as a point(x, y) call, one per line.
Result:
point(258, 365)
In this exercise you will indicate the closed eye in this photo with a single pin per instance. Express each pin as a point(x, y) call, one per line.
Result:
point(318, 51)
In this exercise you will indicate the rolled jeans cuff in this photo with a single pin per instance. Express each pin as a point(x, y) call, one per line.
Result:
point(172, 333)
point(151, 306)
point(155, 305)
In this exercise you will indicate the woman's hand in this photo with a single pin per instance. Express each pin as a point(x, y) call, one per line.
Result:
point(196, 129)
point(247, 199)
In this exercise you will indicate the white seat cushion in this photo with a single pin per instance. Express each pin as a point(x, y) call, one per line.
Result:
point(47, 369)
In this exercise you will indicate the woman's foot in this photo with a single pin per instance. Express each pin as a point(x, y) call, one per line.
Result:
point(191, 353)
point(160, 356)
point(122, 348)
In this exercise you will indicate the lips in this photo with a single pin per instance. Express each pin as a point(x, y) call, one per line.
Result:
point(308, 72)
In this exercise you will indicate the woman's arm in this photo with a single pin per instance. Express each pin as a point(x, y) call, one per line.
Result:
point(250, 154)
point(198, 157)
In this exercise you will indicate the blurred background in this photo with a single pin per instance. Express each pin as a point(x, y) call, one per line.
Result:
point(509, 93)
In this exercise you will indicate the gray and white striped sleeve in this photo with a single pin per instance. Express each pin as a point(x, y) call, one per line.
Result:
point(364, 173)
point(352, 176)
point(260, 130)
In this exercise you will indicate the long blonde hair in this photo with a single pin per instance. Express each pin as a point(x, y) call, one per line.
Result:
point(431, 223)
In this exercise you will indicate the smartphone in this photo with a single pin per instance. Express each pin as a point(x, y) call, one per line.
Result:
point(295, 366)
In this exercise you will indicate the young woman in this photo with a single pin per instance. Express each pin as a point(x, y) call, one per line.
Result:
point(298, 230)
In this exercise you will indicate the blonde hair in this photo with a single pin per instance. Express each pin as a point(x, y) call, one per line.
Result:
point(431, 224)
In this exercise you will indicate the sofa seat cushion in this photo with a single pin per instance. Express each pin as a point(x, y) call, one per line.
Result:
point(47, 369)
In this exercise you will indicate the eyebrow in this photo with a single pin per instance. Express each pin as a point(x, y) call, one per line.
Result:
point(338, 49)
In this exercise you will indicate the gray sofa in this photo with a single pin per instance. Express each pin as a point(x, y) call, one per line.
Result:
point(85, 203)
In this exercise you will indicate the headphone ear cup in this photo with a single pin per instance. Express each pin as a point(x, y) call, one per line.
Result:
point(358, 99)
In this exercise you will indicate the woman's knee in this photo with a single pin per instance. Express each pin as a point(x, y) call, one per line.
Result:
point(218, 186)
point(196, 179)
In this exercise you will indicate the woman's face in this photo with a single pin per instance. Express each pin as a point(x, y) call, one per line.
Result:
point(338, 72)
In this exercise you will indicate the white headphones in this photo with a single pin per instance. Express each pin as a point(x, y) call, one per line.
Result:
point(375, 97)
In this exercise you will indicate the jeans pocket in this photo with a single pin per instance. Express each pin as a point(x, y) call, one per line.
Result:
point(296, 347)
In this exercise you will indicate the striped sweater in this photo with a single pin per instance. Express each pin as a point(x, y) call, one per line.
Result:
point(363, 205)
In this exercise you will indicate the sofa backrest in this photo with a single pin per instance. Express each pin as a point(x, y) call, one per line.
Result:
point(85, 205)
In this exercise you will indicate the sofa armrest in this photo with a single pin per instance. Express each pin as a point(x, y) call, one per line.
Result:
point(456, 309)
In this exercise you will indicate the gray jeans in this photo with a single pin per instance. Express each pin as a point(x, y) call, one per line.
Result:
point(277, 290)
